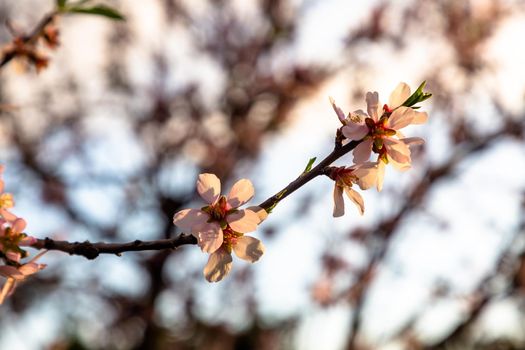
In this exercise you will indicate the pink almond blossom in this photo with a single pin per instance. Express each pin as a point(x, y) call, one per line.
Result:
point(377, 131)
point(364, 175)
point(207, 224)
point(220, 226)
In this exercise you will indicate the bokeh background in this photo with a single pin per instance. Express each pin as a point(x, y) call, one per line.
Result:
point(106, 144)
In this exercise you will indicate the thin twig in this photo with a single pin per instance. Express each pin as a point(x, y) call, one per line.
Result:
point(93, 250)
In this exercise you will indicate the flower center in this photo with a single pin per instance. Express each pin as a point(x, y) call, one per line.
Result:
point(217, 211)
point(230, 237)
point(343, 176)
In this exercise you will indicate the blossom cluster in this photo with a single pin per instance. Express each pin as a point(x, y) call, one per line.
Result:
point(378, 132)
point(220, 226)
point(12, 238)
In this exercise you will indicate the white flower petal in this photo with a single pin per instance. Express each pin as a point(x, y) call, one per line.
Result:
point(19, 225)
point(243, 221)
point(363, 151)
point(366, 175)
point(209, 187)
point(241, 192)
point(7, 215)
point(261, 213)
point(397, 165)
point(353, 131)
point(7, 289)
point(372, 105)
point(420, 117)
point(209, 236)
point(356, 198)
point(248, 248)
point(187, 218)
point(400, 94)
point(400, 118)
point(339, 204)
point(380, 175)
point(31, 268)
point(338, 111)
point(397, 150)
point(219, 265)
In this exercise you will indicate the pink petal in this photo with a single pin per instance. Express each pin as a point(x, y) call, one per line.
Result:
point(243, 221)
point(356, 198)
point(31, 268)
point(10, 272)
point(400, 94)
point(363, 151)
point(241, 192)
point(219, 265)
point(248, 248)
point(27, 241)
point(400, 118)
point(353, 131)
point(209, 236)
point(1, 185)
point(187, 218)
point(380, 175)
point(19, 225)
point(338, 111)
point(366, 175)
point(7, 289)
point(339, 204)
point(397, 165)
point(13, 256)
point(261, 213)
point(6, 214)
point(209, 187)
point(419, 117)
point(397, 150)
point(372, 105)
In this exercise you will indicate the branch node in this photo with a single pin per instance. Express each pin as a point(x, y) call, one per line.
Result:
point(86, 249)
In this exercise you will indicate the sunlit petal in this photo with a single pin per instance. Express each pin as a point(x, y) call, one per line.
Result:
point(209, 236)
point(380, 175)
point(243, 221)
point(400, 94)
point(219, 265)
point(209, 187)
point(397, 150)
point(356, 198)
point(339, 204)
point(366, 175)
point(261, 213)
point(19, 225)
point(400, 118)
point(241, 192)
point(248, 248)
point(187, 218)
point(363, 151)
point(372, 105)
point(353, 131)
point(419, 117)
